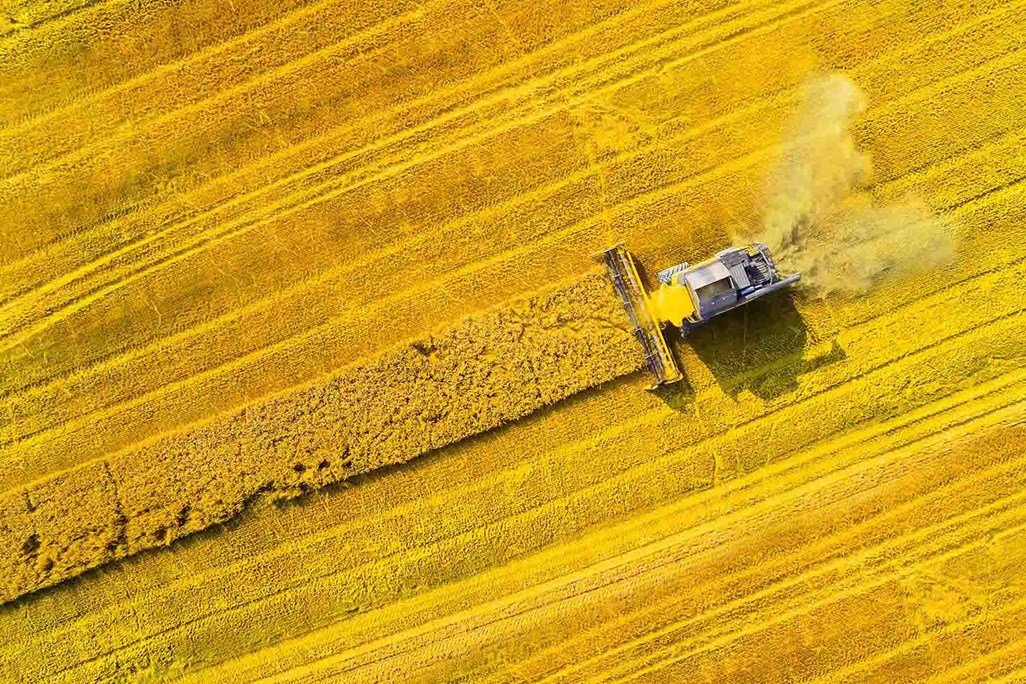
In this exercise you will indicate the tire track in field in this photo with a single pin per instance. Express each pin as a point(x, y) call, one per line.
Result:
point(1015, 611)
point(372, 518)
point(975, 151)
point(211, 59)
point(679, 560)
point(992, 397)
point(1002, 664)
point(431, 284)
point(1005, 514)
point(547, 49)
point(985, 621)
point(411, 132)
point(43, 54)
point(61, 9)
point(35, 143)
point(488, 370)
point(158, 129)
point(252, 673)
point(295, 19)
point(395, 251)
point(650, 551)
point(991, 620)
point(1014, 652)
point(429, 669)
point(384, 307)
point(653, 630)
point(894, 571)
point(686, 440)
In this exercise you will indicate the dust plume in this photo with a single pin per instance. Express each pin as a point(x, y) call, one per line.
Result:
point(818, 219)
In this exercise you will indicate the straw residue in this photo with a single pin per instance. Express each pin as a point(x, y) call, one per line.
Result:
point(489, 369)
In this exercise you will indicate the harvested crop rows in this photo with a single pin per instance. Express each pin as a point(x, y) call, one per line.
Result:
point(306, 372)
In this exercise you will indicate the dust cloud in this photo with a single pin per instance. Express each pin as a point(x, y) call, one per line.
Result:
point(818, 219)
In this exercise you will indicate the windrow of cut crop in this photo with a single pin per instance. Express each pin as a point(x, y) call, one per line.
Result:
point(485, 371)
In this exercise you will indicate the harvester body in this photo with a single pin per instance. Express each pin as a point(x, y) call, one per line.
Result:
point(689, 296)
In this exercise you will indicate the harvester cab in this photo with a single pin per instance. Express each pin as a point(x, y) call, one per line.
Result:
point(688, 296)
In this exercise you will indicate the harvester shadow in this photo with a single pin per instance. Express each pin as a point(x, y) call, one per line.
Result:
point(759, 348)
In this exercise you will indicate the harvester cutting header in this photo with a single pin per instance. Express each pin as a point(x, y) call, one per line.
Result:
point(690, 295)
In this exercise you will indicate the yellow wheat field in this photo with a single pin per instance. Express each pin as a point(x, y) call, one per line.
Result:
point(307, 373)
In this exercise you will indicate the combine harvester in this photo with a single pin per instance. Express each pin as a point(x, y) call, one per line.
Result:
point(689, 296)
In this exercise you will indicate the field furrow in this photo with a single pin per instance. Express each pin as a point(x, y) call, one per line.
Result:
point(307, 371)
point(313, 357)
point(477, 119)
point(650, 568)
point(646, 486)
point(480, 227)
point(335, 340)
point(486, 371)
point(69, 56)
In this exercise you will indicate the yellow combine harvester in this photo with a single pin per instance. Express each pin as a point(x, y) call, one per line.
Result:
point(690, 295)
